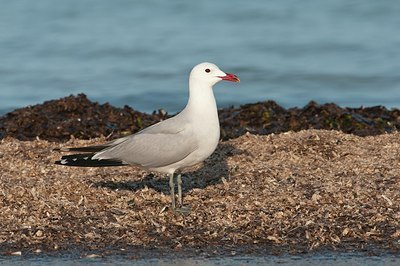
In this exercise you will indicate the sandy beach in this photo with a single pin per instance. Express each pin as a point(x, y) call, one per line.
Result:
point(290, 192)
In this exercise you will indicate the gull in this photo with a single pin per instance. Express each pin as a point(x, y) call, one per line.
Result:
point(181, 141)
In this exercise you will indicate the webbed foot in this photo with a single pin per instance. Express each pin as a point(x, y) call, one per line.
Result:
point(183, 210)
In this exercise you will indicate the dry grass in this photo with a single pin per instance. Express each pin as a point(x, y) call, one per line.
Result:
point(303, 191)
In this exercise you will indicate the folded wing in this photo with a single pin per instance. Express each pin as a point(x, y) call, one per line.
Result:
point(151, 150)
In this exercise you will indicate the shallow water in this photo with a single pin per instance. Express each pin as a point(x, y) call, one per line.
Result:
point(140, 53)
point(344, 259)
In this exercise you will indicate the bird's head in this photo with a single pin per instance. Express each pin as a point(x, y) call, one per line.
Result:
point(210, 74)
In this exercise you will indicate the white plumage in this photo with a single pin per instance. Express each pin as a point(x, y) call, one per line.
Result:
point(178, 142)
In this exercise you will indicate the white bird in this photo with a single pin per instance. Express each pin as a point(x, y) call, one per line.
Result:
point(170, 145)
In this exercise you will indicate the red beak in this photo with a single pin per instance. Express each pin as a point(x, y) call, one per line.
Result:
point(230, 77)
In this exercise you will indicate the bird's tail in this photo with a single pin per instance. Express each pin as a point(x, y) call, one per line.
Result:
point(85, 160)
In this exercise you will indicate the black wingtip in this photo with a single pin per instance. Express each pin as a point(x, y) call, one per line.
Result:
point(85, 160)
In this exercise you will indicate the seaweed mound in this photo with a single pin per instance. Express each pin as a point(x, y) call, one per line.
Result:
point(77, 116)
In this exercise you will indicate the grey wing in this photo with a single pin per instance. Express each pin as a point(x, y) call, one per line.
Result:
point(172, 125)
point(169, 126)
point(152, 150)
point(95, 148)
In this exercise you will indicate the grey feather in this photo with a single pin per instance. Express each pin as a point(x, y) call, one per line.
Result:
point(152, 148)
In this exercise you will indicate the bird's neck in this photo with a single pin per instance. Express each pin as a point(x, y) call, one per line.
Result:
point(201, 100)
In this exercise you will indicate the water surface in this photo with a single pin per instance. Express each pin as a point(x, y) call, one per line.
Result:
point(338, 259)
point(140, 52)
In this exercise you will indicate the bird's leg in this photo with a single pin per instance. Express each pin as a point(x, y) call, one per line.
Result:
point(179, 181)
point(172, 190)
point(185, 210)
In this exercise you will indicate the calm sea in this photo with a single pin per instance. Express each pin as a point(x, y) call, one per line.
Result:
point(140, 52)
point(325, 259)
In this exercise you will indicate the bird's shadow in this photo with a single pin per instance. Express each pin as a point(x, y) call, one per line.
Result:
point(214, 169)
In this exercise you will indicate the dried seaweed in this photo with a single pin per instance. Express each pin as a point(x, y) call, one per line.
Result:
point(77, 116)
point(308, 190)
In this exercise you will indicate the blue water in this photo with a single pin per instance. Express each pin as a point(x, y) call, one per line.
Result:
point(140, 52)
point(338, 259)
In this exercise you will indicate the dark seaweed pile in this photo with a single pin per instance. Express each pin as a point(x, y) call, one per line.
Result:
point(77, 116)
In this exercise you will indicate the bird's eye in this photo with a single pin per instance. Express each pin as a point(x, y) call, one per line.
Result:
point(207, 70)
